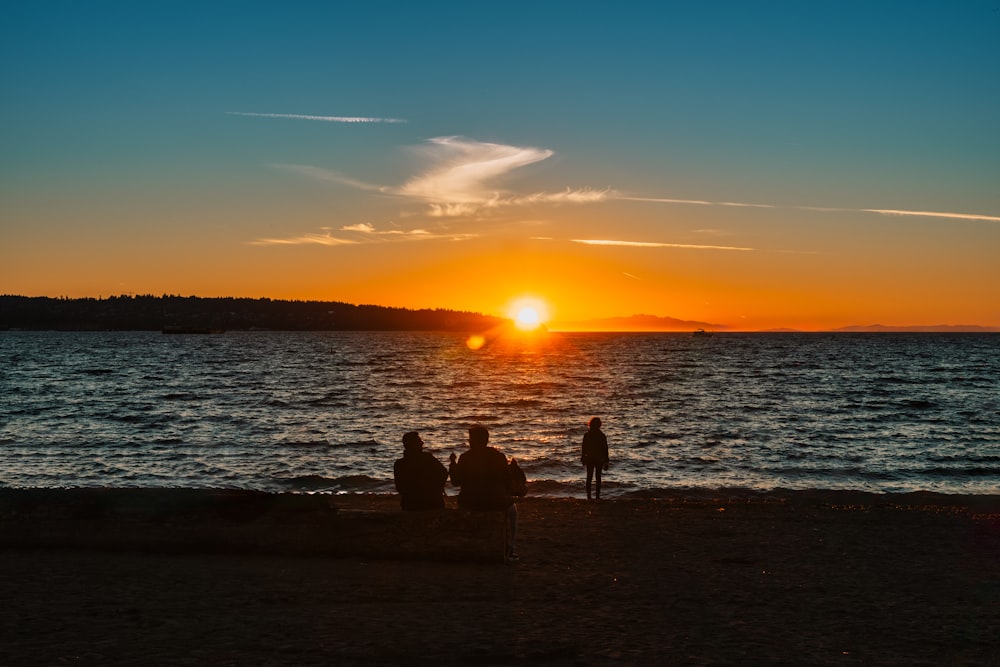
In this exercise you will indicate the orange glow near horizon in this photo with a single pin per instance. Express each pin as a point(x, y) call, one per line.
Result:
point(568, 285)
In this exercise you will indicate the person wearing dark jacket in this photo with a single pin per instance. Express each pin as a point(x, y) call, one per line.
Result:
point(594, 454)
point(419, 476)
point(483, 474)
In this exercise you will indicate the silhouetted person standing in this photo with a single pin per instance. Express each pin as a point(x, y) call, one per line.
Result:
point(419, 476)
point(482, 473)
point(594, 454)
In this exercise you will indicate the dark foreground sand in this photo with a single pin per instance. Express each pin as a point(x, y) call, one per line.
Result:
point(794, 578)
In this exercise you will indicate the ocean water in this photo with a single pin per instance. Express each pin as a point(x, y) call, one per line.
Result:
point(326, 411)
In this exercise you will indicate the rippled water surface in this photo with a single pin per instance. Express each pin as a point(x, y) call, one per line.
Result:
point(325, 411)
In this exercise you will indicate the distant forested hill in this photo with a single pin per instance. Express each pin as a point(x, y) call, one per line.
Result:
point(137, 313)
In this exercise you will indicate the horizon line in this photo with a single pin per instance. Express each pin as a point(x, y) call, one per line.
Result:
point(585, 325)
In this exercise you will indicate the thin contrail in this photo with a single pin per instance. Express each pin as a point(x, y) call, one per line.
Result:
point(830, 209)
point(655, 244)
point(325, 119)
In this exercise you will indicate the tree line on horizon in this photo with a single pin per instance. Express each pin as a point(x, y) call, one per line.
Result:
point(191, 313)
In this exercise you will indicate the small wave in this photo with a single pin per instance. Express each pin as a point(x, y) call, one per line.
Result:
point(919, 404)
point(955, 458)
point(97, 371)
point(345, 484)
point(356, 443)
point(895, 379)
point(542, 386)
point(308, 482)
point(549, 488)
point(132, 419)
point(329, 402)
point(180, 396)
point(642, 444)
point(408, 384)
point(517, 403)
point(534, 468)
point(701, 460)
point(305, 443)
point(957, 472)
point(476, 419)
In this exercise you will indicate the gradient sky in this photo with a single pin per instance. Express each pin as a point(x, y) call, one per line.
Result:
point(778, 164)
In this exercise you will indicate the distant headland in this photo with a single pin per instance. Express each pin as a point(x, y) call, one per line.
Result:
point(198, 314)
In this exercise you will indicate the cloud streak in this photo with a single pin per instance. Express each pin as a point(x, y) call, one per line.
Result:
point(324, 238)
point(463, 177)
point(351, 120)
point(319, 174)
point(934, 214)
point(656, 244)
point(463, 172)
point(821, 209)
point(358, 234)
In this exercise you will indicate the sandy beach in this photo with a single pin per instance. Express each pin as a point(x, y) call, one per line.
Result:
point(688, 579)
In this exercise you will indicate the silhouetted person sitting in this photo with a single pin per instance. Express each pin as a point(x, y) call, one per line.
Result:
point(594, 454)
point(482, 473)
point(419, 476)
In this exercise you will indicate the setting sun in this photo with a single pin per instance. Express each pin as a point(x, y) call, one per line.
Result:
point(527, 318)
point(528, 313)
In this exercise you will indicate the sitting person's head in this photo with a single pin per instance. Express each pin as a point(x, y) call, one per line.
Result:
point(595, 423)
point(478, 436)
point(412, 443)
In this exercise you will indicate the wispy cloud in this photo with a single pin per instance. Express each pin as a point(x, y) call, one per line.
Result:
point(696, 202)
point(934, 214)
point(821, 209)
point(567, 196)
point(655, 244)
point(325, 119)
point(329, 176)
point(369, 229)
point(360, 233)
point(463, 177)
point(324, 238)
point(665, 200)
point(464, 172)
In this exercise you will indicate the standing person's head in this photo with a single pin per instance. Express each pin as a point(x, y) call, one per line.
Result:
point(478, 436)
point(412, 444)
point(595, 423)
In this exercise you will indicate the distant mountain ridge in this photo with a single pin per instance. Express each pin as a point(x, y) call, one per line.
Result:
point(639, 322)
point(936, 328)
point(653, 323)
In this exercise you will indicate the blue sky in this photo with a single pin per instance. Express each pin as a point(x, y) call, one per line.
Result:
point(129, 129)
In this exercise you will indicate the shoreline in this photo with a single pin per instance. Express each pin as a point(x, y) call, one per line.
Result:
point(9, 494)
point(827, 578)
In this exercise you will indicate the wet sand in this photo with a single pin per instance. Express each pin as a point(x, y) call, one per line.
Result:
point(690, 579)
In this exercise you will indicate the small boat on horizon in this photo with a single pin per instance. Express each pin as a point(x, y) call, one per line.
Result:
point(701, 333)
